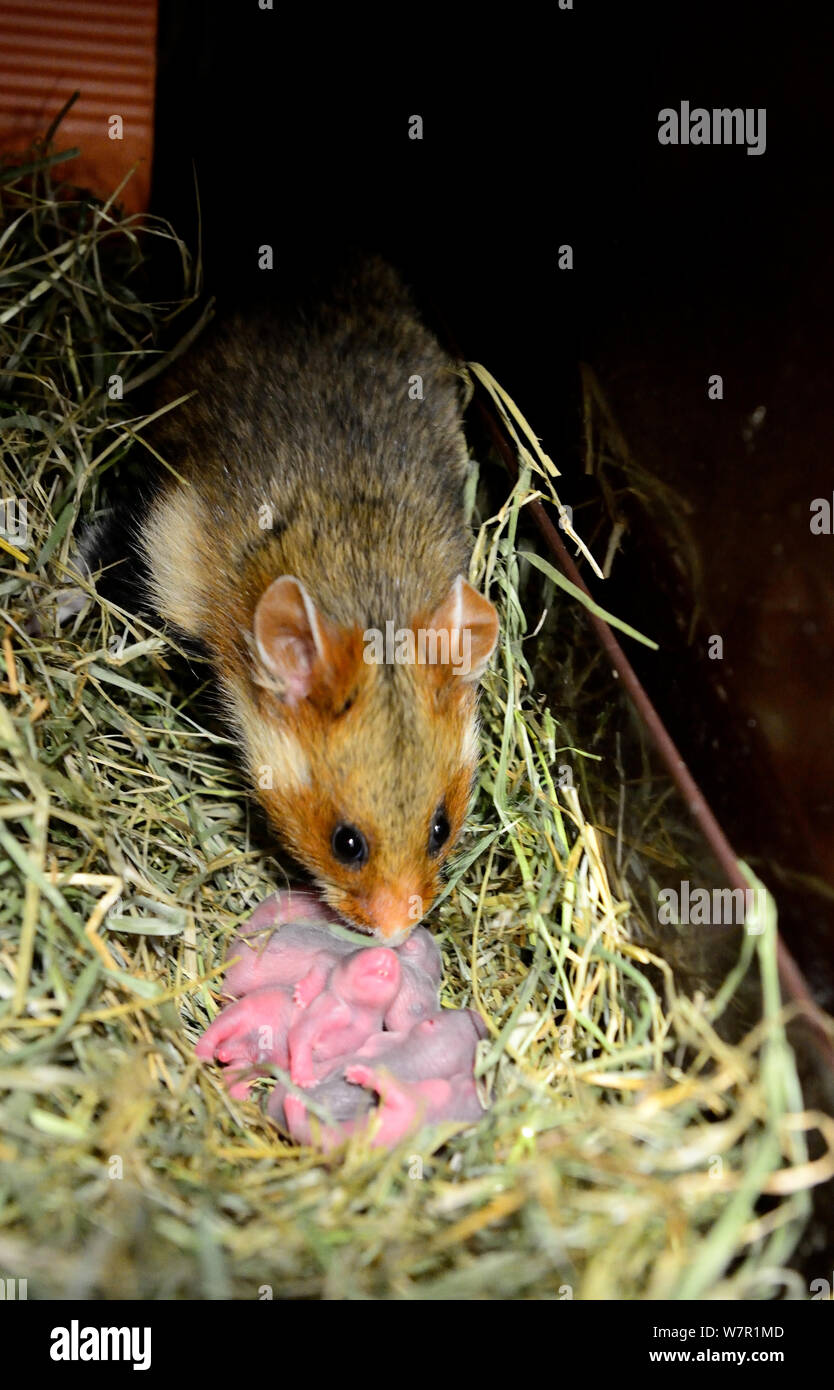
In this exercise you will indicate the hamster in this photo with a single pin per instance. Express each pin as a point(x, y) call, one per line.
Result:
point(275, 1024)
point(315, 526)
point(309, 1008)
point(345, 1012)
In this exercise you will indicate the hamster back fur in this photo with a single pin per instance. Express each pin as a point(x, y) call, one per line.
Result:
point(320, 497)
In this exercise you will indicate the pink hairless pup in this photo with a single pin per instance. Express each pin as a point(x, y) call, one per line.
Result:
point(275, 1025)
point(422, 1076)
point(347, 1011)
point(404, 1105)
point(441, 1045)
point(305, 948)
point(351, 1026)
point(251, 1034)
point(438, 1048)
point(418, 996)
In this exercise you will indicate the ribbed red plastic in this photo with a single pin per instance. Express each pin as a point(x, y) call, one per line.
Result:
point(104, 49)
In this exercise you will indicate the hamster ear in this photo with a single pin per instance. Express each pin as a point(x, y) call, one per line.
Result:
point(290, 637)
point(476, 620)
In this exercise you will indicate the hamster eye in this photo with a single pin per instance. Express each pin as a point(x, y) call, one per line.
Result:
point(349, 846)
point(439, 832)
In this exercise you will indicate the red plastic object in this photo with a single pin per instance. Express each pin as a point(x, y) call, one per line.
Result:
point(107, 53)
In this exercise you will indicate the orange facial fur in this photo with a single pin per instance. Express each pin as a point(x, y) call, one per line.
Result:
point(423, 758)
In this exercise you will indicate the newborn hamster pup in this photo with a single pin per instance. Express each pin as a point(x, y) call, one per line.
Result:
point(305, 1026)
point(318, 1011)
point(440, 1046)
point(358, 992)
point(419, 994)
point(253, 1031)
point(300, 954)
point(320, 467)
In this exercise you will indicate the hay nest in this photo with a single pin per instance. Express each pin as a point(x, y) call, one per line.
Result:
point(632, 1150)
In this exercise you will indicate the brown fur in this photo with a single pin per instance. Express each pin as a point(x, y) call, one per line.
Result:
point(311, 417)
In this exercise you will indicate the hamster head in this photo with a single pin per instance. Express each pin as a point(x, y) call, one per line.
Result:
point(370, 977)
point(364, 763)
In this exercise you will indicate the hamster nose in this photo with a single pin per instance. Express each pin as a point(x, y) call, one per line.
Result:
point(388, 911)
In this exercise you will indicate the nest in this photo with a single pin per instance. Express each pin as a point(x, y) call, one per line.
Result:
point(636, 1148)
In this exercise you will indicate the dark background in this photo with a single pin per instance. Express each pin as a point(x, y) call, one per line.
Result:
point(540, 128)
